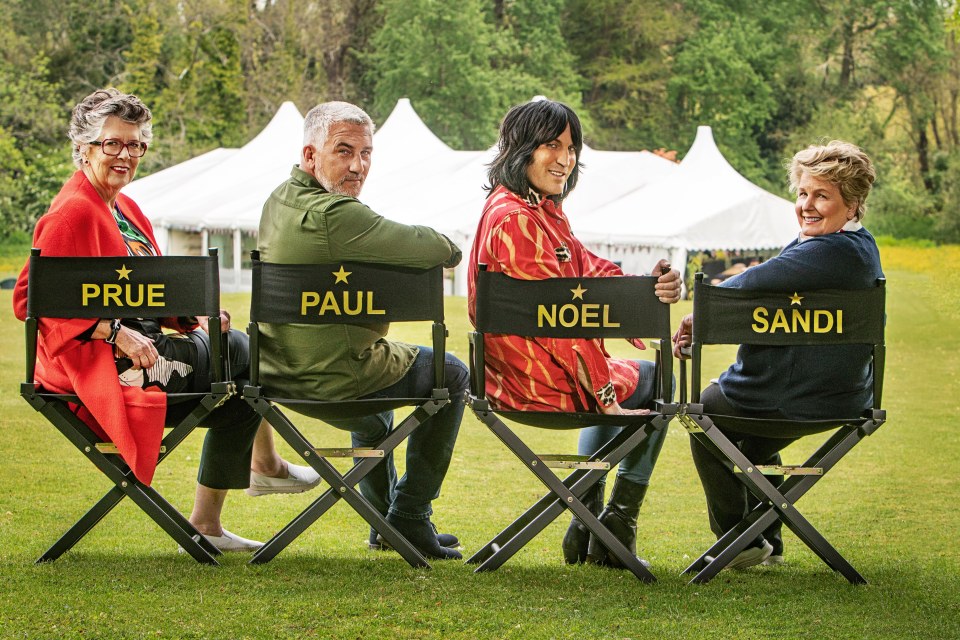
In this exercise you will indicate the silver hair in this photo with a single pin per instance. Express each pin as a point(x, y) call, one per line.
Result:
point(316, 125)
point(92, 112)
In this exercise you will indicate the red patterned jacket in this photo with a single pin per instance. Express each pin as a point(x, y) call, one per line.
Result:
point(531, 240)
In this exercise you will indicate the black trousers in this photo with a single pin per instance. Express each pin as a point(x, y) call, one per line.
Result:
point(232, 427)
point(761, 441)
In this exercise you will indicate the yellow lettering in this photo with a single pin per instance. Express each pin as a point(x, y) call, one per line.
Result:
point(370, 310)
point(329, 302)
point(89, 291)
point(564, 316)
point(155, 295)
point(606, 317)
point(779, 322)
point(839, 320)
point(826, 316)
point(590, 315)
point(550, 316)
point(112, 292)
point(760, 324)
point(308, 299)
point(130, 301)
point(352, 311)
point(801, 319)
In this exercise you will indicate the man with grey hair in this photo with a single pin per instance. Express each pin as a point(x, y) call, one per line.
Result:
point(314, 217)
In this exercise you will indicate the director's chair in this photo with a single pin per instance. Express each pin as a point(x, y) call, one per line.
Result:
point(616, 307)
point(61, 287)
point(826, 317)
point(332, 294)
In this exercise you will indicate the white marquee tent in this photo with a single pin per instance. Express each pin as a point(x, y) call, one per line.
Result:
point(191, 201)
point(704, 204)
point(629, 206)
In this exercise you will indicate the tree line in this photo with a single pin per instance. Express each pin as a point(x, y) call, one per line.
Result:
point(770, 78)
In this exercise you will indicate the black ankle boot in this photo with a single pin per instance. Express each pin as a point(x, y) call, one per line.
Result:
point(577, 537)
point(422, 535)
point(620, 517)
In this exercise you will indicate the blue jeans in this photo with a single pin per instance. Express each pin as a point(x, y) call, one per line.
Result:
point(429, 448)
point(637, 467)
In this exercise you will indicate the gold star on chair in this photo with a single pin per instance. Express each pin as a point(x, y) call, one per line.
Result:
point(401, 295)
point(341, 275)
point(540, 308)
point(726, 316)
point(56, 289)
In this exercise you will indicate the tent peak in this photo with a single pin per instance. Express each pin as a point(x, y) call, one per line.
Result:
point(405, 131)
point(704, 157)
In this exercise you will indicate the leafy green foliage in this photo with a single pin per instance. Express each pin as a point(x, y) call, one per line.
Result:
point(624, 53)
point(769, 78)
point(439, 54)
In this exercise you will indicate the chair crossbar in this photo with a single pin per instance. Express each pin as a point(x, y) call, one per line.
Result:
point(567, 461)
point(108, 448)
point(55, 290)
point(783, 470)
point(342, 486)
point(357, 452)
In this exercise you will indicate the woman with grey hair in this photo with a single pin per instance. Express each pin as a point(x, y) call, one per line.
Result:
point(115, 366)
point(776, 384)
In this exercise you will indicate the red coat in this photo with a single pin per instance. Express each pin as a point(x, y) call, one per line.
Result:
point(79, 223)
point(535, 242)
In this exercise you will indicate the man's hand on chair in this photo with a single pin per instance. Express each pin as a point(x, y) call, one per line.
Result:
point(683, 338)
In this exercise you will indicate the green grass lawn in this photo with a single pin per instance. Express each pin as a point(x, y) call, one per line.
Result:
point(890, 508)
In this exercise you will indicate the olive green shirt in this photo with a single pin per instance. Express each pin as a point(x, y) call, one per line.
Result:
point(302, 223)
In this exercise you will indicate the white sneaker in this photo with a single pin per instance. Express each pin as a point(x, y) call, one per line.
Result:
point(229, 542)
point(773, 561)
point(751, 556)
point(298, 480)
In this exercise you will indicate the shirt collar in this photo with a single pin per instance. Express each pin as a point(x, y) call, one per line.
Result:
point(533, 197)
point(546, 203)
point(304, 178)
point(851, 225)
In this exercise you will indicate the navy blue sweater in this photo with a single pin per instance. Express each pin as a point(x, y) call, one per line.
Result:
point(807, 383)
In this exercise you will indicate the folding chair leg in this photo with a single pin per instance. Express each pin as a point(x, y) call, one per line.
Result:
point(775, 505)
point(104, 506)
point(549, 506)
point(148, 499)
point(174, 526)
point(566, 497)
point(547, 502)
point(89, 520)
point(342, 486)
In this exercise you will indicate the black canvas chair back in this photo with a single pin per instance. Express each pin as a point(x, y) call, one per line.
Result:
point(124, 287)
point(343, 293)
point(618, 307)
point(787, 318)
